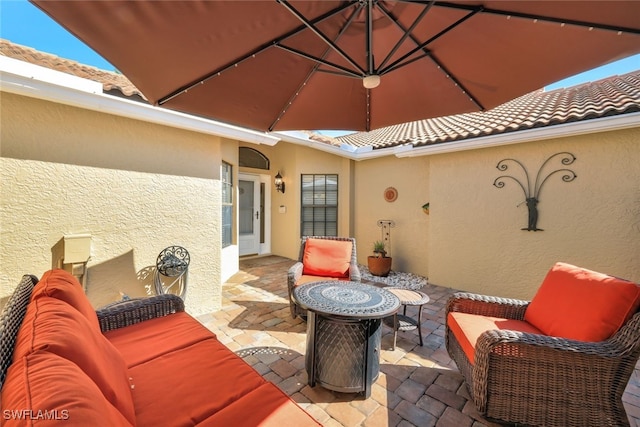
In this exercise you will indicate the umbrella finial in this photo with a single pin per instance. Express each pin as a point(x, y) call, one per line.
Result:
point(371, 81)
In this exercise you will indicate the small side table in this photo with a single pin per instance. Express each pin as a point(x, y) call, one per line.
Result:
point(402, 322)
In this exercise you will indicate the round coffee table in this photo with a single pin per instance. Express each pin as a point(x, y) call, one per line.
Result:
point(343, 333)
point(402, 322)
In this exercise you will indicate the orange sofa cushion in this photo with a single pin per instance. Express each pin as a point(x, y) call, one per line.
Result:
point(581, 304)
point(189, 385)
point(327, 258)
point(44, 389)
point(52, 326)
point(266, 406)
point(147, 340)
point(467, 328)
point(62, 285)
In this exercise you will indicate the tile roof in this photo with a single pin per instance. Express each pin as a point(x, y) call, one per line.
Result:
point(610, 96)
point(112, 82)
point(607, 97)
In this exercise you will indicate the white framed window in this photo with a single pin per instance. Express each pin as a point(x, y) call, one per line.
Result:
point(319, 205)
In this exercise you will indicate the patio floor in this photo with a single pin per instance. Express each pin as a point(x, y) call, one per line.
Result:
point(417, 386)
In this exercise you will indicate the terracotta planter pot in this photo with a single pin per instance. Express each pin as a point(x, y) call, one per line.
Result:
point(379, 266)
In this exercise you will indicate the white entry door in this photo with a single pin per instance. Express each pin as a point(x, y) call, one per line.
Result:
point(250, 213)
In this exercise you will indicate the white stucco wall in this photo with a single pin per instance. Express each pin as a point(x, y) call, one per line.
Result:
point(135, 187)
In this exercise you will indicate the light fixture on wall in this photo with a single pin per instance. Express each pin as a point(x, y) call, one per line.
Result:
point(279, 183)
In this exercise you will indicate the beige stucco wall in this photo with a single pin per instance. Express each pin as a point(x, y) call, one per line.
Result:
point(472, 239)
point(292, 161)
point(409, 238)
point(594, 221)
point(138, 187)
point(135, 187)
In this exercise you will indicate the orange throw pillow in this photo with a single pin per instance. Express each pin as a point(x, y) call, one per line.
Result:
point(327, 258)
point(581, 304)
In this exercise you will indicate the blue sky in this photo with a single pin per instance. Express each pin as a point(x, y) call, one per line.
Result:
point(25, 24)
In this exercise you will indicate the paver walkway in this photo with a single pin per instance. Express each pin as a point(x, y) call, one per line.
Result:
point(418, 386)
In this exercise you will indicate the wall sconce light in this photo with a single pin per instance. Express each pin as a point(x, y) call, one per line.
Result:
point(279, 183)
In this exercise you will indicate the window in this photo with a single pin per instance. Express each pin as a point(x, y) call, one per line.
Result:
point(226, 177)
point(251, 158)
point(319, 205)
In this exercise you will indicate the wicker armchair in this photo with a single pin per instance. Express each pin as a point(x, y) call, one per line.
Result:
point(295, 274)
point(542, 380)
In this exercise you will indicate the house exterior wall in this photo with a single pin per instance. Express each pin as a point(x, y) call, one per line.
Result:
point(476, 242)
point(135, 187)
point(472, 239)
point(292, 161)
point(410, 237)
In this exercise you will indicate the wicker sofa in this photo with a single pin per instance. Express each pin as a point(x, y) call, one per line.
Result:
point(562, 359)
point(322, 258)
point(142, 362)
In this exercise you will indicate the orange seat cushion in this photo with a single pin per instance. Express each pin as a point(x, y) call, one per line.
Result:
point(53, 326)
point(62, 285)
point(44, 389)
point(191, 384)
point(327, 258)
point(467, 328)
point(581, 304)
point(308, 279)
point(266, 406)
point(147, 340)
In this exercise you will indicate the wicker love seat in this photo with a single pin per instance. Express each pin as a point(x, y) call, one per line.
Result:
point(562, 359)
point(138, 363)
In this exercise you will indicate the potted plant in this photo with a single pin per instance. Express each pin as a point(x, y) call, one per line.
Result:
point(379, 263)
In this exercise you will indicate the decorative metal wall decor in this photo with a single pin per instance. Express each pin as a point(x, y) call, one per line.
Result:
point(386, 225)
point(532, 194)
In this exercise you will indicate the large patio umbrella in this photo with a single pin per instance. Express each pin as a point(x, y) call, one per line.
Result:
point(355, 65)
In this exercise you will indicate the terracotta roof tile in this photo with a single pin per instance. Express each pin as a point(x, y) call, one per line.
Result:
point(111, 81)
point(607, 97)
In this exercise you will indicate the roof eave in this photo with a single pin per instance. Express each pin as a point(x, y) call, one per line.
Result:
point(34, 81)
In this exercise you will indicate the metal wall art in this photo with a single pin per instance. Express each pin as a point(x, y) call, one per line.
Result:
point(532, 194)
point(386, 225)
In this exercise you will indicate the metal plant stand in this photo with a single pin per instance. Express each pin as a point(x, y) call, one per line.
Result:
point(344, 332)
point(172, 268)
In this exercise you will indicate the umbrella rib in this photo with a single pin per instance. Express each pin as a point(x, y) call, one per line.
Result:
point(421, 46)
point(318, 60)
point(349, 73)
point(542, 18)
point(251, 54)
point(370, 37)
point(321, 35)
point(407, 33)
point(427, 52)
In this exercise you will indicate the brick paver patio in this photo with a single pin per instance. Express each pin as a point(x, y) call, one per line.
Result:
point(417, 386)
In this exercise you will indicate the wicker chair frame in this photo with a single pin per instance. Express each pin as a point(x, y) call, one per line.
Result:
point(10, 321)
point(540, 380)
point(295, 271)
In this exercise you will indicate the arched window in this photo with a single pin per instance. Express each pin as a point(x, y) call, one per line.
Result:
point(250, 158)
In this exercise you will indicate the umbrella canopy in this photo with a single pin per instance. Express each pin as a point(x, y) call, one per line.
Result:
point(353, 65)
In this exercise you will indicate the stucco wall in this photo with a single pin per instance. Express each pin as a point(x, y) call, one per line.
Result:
point(135, 187)
point(476, 242)
point(410, 236)
point(292, 161)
